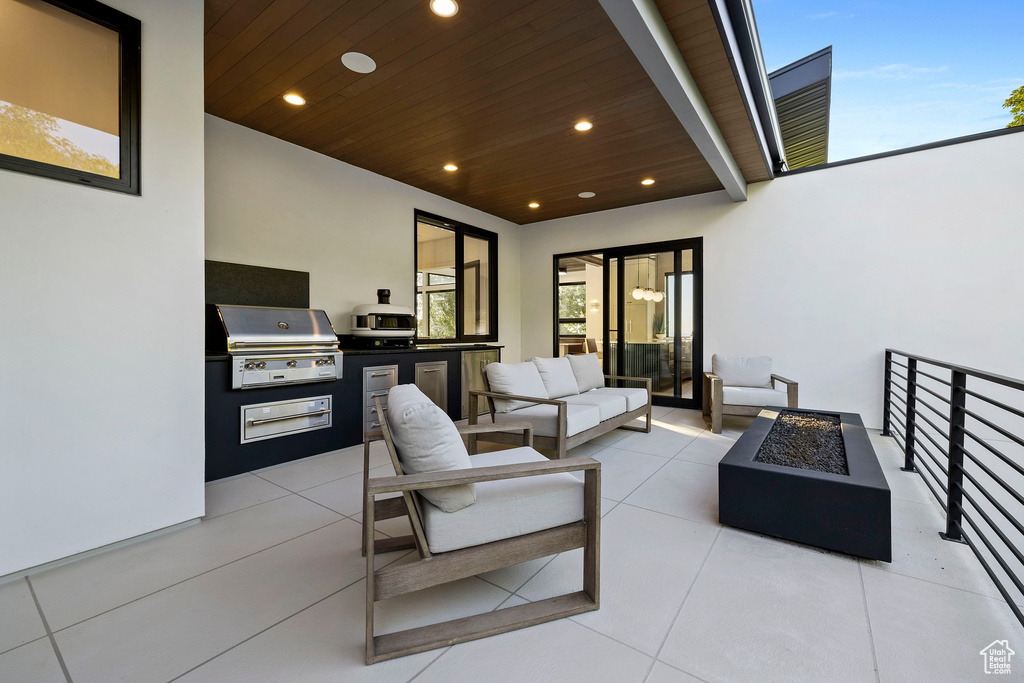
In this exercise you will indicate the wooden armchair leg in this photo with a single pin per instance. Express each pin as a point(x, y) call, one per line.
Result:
point(716, 406)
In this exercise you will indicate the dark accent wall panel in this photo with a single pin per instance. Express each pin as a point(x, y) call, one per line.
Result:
point(244, 285)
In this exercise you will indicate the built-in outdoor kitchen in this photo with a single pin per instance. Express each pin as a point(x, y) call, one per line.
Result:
point(281, 384)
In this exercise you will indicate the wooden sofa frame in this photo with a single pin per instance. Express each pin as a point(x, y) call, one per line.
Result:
point(714, 409)
point(437, 568)
point(561, 443)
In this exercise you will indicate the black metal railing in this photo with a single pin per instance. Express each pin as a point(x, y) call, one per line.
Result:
point(961, 429)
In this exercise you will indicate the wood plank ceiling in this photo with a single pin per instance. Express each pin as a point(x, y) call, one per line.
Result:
point(495, 90)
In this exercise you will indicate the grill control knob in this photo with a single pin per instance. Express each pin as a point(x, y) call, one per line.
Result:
point(292, 364)
point(328, 361)
point(261, 365)
point(250, 366)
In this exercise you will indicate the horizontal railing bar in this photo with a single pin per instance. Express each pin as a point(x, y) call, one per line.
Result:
point(996, 452)
point(896, 374)
point(924, 449)
point(980, 374)
point(937, 379)
point(901, 442)
point(933, 425)
point(992, 401)
point(899, 409)
point(1011, 437)
point(935, 394)
point(896, 362)
point(1010, 601)
point(938, 447)
point(998, 506)
point(1016, 553)
point(940, 481)
point(939, 497)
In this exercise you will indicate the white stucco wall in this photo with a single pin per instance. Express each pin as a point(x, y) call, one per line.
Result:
point(101, 402)
point(824, 270)
point(272, 203)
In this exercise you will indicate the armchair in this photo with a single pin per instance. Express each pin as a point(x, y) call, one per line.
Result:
point(516, 517)
point(743, 386)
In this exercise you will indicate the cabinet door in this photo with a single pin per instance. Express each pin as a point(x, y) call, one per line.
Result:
point(473, 364)
point(432, 379)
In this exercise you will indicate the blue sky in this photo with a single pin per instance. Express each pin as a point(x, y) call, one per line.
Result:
point(903, 73)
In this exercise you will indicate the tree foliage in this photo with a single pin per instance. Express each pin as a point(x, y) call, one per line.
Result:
point(1015, 103)
point(29, 134)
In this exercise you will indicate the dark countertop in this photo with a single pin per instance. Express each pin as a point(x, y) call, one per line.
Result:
point(214, 356)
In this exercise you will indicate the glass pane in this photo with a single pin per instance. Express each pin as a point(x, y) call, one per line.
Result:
point(572, 329)
point(611, 352)
point(435, 264)
point(436, 279)
point(476, 283)
point(441, 315)
point(572, 301)
point(59, 88)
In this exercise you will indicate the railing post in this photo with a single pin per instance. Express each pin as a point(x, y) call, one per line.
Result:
point(911, 433)
point(955, 480)
point(887, 405)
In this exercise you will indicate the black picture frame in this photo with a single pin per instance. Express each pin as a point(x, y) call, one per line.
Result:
point(129, 31)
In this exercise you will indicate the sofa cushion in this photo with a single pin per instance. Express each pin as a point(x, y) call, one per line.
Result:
point(518, 379)
point(557, 376)
point(506, 508)
point(427, 441)
point(588, 372)
point(609, 404)
point(635, 398)
point(544, 418)
point(753, 396)
point(738, 371)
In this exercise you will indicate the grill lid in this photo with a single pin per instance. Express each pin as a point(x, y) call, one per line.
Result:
point(258, 328)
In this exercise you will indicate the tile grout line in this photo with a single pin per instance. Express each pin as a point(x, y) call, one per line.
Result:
point(689, 591)
point(430, 663)
point(675, 668)
point(867, 619)
point(49, 633)
point(212, 569)
point(12, 649)
point(277, 623)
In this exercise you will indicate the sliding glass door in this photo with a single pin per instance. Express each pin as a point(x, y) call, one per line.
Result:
point(649, 306)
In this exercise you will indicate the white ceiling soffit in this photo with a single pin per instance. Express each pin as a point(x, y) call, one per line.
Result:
point(642, 27)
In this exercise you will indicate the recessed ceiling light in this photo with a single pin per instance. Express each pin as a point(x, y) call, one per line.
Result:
point(534, 205)
point(451, 167)
point(292, 98)
point(583, 126)
point(586, 195)
point(647, 181)
point(358, 62)
point(444, 8)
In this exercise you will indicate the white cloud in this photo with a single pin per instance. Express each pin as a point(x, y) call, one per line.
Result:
point(889, 71)
point(823, 15)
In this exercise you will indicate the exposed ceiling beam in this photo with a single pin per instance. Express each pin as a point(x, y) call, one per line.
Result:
point(644, 30)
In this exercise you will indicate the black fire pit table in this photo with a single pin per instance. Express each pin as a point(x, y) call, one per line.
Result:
point(830, 492)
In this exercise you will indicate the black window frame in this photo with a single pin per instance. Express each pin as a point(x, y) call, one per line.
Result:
point(129, 30)
point(461, 230)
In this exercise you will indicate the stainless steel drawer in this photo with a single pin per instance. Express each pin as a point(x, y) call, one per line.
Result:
point(383, 377)
point(280, 418)
point(382, 395)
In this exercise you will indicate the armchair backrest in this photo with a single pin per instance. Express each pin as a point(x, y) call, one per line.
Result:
point(740, 371)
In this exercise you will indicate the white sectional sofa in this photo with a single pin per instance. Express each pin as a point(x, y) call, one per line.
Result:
point(565, 399)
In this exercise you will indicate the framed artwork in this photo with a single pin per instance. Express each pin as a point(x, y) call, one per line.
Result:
point(69, 92)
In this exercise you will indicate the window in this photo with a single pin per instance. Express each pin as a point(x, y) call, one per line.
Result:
point(69, 92)
point(456, 281)
point(572, 309)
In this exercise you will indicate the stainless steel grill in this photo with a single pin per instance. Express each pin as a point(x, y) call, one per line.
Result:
point(272, 346)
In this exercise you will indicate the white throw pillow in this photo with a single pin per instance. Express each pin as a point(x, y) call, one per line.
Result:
point(588, 372)
point(557, 375)
point(518, 379)
point(427, 441)
point(737, 371)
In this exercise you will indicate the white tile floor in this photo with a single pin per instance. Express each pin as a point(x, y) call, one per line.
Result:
point(270, 587)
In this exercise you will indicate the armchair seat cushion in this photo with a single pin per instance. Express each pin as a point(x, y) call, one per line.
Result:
point(544, 418)
point(505, 508)
point(753, 396)
point(635, 398)
point(609, 404)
